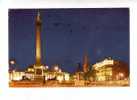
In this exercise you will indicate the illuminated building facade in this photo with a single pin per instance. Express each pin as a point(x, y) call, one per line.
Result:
point(16, 75)
point(103, 72)
point(109, 69)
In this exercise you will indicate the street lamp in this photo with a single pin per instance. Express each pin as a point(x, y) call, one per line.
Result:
point(121, 75)
point(11, 67)
point(56, 68)
point(60, 70)
point(12, 62)
point(47, 67)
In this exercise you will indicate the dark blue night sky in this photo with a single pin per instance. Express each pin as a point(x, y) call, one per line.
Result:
point(69, 34)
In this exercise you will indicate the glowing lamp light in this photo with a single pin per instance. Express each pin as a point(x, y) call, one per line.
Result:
point(41, 67)
point(121, 74)
point(47, 67)
point(12, 62)
point(56, 68)
point(46, 78)
point(60, 70)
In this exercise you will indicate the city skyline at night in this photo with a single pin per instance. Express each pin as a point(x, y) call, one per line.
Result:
point(69, 34)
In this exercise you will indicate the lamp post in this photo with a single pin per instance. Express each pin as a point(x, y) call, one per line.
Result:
point(56, 68)
point(47, 67)
point(12, 64)
point(121, 76)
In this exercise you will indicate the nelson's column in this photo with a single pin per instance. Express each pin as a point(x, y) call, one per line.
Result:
point(38, 67)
